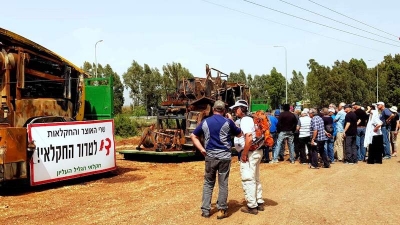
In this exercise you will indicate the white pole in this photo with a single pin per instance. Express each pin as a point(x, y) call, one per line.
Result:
point(377, 75)
point(377, 82)
point(286, 82)
point(95, 57)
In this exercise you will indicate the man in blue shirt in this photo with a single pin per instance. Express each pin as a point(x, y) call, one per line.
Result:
point(339, 120)
point(386, 116)
point(217, 131)
point(272, 129)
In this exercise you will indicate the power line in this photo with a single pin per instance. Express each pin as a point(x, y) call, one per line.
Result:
point(258, 17)
point(354, 19)
point(338, 21)
point(298, 17)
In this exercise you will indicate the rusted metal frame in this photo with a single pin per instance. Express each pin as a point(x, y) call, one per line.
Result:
point(20, 74)
point(67, 82)
point(7, 84)
point(219, 71)
point(3, 77)
point(44, 75)
point(40, 55)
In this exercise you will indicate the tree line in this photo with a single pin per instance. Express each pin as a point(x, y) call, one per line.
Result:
point(342, 82)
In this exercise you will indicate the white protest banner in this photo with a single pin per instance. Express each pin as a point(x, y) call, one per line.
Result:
point(69, 150)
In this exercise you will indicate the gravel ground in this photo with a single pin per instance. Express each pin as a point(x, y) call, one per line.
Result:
point(170, 193)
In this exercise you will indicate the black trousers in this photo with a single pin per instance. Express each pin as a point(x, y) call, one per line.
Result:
point(314, 154)
point(375, 150)
point(303, 141)
point(267, 150)
point(351, 149)
point(296, 145)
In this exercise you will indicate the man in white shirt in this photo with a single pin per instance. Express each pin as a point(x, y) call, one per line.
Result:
point(250, 158)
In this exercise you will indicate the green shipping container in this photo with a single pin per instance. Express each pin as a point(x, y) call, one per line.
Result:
point(99, 99)
point(259, 104)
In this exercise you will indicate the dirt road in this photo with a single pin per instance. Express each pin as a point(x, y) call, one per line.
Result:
point(170, 193)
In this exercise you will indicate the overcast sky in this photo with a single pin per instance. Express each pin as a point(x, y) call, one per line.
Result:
point(235, 35)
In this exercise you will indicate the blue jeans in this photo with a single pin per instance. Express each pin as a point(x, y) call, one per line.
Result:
point(328, 148)
point(360, 143)
point(386, 142)
point(270, 149)
point(281, 137)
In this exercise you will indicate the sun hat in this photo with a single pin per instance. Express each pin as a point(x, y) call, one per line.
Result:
point(393, 109)
point(240, 103)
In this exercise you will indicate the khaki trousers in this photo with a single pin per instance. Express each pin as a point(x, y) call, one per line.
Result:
point(338, 146)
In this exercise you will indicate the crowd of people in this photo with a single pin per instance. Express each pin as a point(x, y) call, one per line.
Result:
point(348, 133)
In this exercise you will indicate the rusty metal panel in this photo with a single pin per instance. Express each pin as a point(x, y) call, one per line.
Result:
point(36, 48)
point(27, 108)
point(13, 143)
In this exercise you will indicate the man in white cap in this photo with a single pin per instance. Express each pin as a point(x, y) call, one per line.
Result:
point(386, 116)
point(394, 128)
point(250, 159)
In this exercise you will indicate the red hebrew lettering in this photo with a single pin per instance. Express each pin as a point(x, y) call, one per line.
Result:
point(108, 146)
point(101, 145)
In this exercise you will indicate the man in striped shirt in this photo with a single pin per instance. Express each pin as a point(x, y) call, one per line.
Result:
point(304, 135)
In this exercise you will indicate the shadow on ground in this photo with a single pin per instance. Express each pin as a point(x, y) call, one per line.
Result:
point(22, 187)
point(162, 158)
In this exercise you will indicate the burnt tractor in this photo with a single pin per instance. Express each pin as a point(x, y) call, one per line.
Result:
point(183, 110)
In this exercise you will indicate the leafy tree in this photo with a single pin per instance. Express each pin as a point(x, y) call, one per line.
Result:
point(344, 82)
point(124, 126)
point(316, 78)
point(296, 88)
point(132, 78)
point(259, 87)
point(88, 68)
point(276, 88)
point(118, 88)
point(391, 66)
point(172, 73)
point(146, 84)
point(237, 77)
point(339, 87)
point(151, 87)
point(358, 70)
